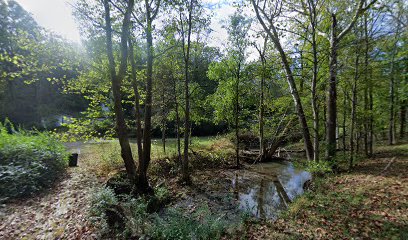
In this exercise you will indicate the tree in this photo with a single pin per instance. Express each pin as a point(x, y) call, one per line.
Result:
point(267, 12)
point(334, 39)
point(116, 79)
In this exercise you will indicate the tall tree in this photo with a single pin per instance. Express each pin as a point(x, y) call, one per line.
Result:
point(267, 12)
point(116, 79)
point(148, 13)
point(334, 39)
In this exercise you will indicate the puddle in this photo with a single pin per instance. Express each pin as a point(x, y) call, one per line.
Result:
point(266, 189)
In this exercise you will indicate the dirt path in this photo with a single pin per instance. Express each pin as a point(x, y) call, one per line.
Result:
point(60, 213)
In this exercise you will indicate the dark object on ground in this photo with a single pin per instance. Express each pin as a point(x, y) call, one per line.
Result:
point(73, 160)
point(115, 217)
point(307, 185)
point(120, 184)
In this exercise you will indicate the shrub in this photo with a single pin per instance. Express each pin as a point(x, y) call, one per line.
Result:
point(29, 162)
point(319, 168)
point(102, 200)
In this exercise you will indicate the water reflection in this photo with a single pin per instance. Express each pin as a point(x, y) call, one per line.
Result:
point(268, 188)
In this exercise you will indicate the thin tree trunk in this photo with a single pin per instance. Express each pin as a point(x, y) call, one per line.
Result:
point(344, 121)
point(368, 83)
point(142, 170)
point(332, 94)
point(403, 118)
point(177, 121)
point(353, 112)
point(163, 124)
point(186, 53)
point(237, 116)
point(391, 129)
point(315, 107)
point(139, 134)
point(261, 112)
point(262, 96)
point(116, 79)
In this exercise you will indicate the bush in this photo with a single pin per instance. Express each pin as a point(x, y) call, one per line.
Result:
point(29, 162)
point(319, 168)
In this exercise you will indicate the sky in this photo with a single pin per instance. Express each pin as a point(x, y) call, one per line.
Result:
point(56, 15)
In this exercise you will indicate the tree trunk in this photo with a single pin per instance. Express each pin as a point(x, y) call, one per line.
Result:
point(116, 79)
point(135, 84)
point(237, 116)
point(261, 111)
point(332, 94)
point(344, 121)
point(143, 166)
point(176, 106)
point(163, 123)
point(186, 53)
point(367, 85)
point(315, 107)
point(391, 129)
point(403, 118)
point(353, 112)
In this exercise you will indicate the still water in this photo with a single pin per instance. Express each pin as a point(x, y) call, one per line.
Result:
point(266, 189)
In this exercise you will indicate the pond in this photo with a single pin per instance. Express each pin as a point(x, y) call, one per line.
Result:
point(266, 189)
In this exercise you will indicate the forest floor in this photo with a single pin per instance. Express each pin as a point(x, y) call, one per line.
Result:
point(369, 202)
point(365, 203)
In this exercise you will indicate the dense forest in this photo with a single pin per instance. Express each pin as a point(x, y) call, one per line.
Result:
point(158, 109)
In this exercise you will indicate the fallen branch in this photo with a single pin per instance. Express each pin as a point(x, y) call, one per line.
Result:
point(388, 165)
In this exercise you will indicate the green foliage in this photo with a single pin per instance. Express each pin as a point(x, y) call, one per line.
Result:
point(201, 224)
point(319, 168)
point(102, 199)
point(29, 162)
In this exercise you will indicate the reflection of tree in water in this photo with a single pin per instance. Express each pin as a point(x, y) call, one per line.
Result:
point(277, 185)
point(281, 192)
point(261, 212)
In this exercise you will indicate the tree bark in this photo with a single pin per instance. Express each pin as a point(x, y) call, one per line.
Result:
point(139, 133)
point(142, 170)
point(403, 118)
point(332, 94)
point(176, 106)
point(262, 110)
point(315, 107)
point(344, 120)
point(186, 53)
point(368, 83)
point(116, 79)
point(331, 119)
point(237, 115)
point(391, 128)
point(163, 122)
point(353, 112)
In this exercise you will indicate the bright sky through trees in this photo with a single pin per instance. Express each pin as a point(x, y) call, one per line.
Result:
point(56, 15)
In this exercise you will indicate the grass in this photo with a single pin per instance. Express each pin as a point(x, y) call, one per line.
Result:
point(104, 157)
